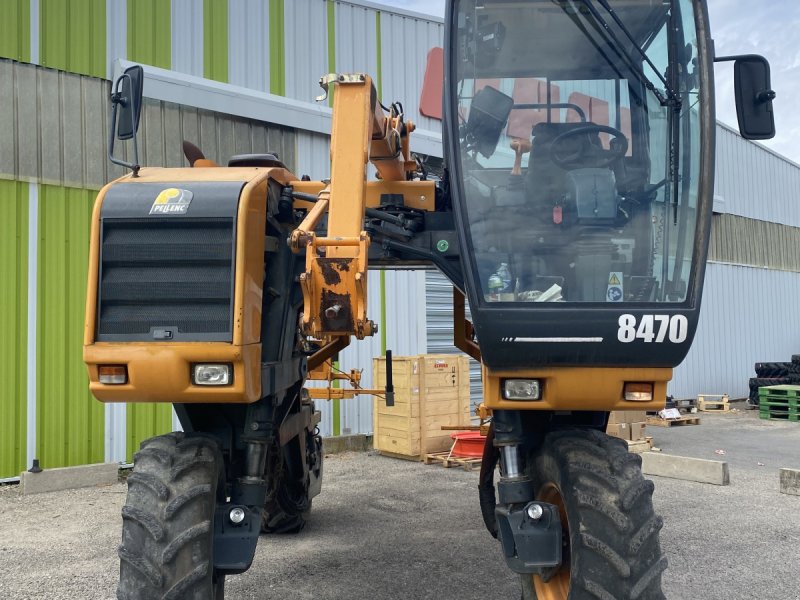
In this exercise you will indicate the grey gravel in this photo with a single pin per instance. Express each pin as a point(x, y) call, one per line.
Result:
point(386, 528)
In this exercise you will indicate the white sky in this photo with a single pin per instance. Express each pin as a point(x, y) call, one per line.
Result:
point(770, 28)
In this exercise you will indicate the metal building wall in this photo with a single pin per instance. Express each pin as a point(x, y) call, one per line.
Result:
point(749, 315)
point(187, 49)
point(13, 325)
point(439, 329)
point(72, 36)
point(248, 46)
point(70, 422)
point(752, 181)
point(15, 30)
point(306, 48)
point(406, 41)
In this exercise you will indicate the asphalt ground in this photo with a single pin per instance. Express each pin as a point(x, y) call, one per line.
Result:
point(387, 528)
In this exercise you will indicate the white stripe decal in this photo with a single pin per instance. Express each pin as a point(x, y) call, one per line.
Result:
point(555, 340)
point(33, 270)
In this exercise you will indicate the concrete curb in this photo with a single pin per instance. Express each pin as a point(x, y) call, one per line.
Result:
point(67, 478)
point(790, 481)
point(688, 469)
point(346, 443)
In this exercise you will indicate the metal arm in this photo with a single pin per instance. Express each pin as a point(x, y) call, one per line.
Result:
point(334, 283)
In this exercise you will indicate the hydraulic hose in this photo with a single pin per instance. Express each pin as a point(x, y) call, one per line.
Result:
point(486, 493)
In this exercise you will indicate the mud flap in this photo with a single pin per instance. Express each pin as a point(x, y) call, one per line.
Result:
point(530, 545)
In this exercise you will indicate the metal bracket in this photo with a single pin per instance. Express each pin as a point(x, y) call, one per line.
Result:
point(342, 78)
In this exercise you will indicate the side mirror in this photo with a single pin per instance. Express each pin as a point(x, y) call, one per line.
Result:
point(488, 114)
point(126, 108)
point(754, 96)
point(129, 90)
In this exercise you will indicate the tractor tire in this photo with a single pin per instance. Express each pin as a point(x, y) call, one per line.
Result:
point(773, 369)
point(612, 550)
point(168, 520)
point(288, 504)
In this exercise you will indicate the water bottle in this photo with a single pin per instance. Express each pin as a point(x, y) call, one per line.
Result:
point(505, 276)
point(495, 285)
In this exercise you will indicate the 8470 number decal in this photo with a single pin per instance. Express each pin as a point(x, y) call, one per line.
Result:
point(653, 328)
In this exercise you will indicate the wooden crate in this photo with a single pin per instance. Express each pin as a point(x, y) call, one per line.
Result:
point(430, 390)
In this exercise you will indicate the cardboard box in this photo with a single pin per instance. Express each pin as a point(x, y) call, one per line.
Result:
point(627, 416)
point(619, 430)
point(637, 431)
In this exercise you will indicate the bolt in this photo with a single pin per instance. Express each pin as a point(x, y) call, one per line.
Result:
point(535, 511)
point(332, 311)
point(422, 198)
point(254, 426)
point(236, 515)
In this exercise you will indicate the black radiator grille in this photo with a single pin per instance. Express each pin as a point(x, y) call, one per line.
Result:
point(173, 276)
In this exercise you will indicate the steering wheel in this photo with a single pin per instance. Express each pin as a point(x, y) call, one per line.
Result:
point(584, 153)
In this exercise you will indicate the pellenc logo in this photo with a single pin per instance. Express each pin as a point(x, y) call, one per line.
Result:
point(172, 201)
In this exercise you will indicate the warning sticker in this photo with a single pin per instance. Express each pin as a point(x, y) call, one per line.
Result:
point(615, 292)
point(172, 201)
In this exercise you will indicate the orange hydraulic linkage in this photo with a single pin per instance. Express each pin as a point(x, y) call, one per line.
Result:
point(335, 280)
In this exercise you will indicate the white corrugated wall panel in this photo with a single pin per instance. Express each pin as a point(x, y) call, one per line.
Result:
point(749, 315)
point(116, 33)
point(439, 331)
point(356, 40)
point(306, 47)
point(754, 182)
point(313, 155)
point(187, 37)
point(248, 44)
point(405, 43)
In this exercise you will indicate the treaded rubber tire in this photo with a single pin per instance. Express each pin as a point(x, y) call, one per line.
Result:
point(773, 369)
point(168, 518)
point(614, 547)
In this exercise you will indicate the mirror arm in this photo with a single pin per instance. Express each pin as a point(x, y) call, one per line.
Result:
point(116, 101)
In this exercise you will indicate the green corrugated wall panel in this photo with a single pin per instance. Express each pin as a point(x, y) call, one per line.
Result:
point(70, 422)
point(277, 48)
point(13, 325)
point(215, 40)
point(15, 30)
point(150, 32)
point(144, 421)
point(72, 36)
point(331, 46)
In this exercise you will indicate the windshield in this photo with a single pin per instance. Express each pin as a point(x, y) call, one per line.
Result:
point(579, 148)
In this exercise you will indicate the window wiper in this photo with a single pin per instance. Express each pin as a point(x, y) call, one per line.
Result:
point(671, 99)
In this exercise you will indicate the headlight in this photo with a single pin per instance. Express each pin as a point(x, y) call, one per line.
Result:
point(638, 392)
point(211, 374)
point(112, 374)
point(522, 389)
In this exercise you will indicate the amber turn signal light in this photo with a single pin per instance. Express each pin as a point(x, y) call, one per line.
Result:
point(113, 374)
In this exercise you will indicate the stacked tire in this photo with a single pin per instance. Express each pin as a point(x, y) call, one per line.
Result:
point(794, 369)
point(773, 373)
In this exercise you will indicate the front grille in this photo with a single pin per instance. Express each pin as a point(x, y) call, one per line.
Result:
point(173, 276)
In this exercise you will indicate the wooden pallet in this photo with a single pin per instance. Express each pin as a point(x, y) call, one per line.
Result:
point(639, 446)
point(659, 422)
point(447, 460)
point(713, 405)
point(779, 415)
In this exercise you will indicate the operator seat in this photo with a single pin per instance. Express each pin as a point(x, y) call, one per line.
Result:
point(548, 185)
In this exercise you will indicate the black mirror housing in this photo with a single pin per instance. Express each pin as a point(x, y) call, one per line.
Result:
point(130, 86)
point(488, 114)
point(754, 96)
